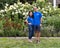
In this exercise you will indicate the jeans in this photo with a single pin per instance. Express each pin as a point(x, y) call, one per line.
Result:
point(31, 31)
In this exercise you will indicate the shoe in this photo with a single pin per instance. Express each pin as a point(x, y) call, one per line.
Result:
point(30, 40)
point(37, 41)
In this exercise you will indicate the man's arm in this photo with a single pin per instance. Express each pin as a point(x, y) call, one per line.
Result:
point(41, 21)
point(26, 22)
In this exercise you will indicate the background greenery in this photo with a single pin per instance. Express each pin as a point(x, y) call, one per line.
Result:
point(12, 18)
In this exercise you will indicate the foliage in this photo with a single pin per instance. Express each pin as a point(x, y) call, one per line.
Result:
point(12, 19)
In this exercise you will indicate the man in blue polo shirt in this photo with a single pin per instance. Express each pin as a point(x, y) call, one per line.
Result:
point(37, 23)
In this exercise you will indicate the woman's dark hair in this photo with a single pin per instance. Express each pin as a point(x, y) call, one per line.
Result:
point(32, 14)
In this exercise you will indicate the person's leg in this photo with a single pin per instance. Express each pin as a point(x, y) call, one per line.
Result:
point(38, 33)
point(38, 36)
point(30, 37)
point(32, 30)
point(30, 33)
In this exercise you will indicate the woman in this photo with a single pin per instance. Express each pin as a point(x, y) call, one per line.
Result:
point(30, 22)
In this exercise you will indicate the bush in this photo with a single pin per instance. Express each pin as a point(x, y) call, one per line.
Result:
point(48, 31)
point(12, 19)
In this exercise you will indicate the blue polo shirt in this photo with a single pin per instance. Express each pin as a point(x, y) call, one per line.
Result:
point(37, 17)
point(30, 20)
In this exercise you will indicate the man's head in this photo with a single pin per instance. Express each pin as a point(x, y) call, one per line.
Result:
point(35, 8)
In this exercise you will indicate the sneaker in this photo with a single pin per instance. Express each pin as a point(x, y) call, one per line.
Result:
point(37, 41)
point(30, 40)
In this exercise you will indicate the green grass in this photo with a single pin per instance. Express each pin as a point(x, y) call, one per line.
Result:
point(23, 43)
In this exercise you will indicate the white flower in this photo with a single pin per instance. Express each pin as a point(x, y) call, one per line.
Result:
point(41, 0)
point(15, 5)
point(44, 12)
point(24, 13)
point(19, 11)
point(2, 15)
point(16, 12)
point(12, 13)
point(7, 4)
point(42, 8)
point(38, 7)
point(19, 3)
point(26, 3)
point(23, 5)
point(21, 8)
point(49, 8)
point(49, 3)
point(24, 9)
point(55, 9)
point(5, 10)
point(2, 11)
point(11, 7)
point(5, 7)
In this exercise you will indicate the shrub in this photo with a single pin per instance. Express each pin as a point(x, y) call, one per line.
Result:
point(12, 19)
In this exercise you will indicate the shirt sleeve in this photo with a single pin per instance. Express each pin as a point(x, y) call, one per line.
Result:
point(40, 15)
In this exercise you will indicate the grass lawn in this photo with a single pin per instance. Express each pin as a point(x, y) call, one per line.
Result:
point(23, 43)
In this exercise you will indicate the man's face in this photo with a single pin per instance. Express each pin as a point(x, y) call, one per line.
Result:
point(35, 9)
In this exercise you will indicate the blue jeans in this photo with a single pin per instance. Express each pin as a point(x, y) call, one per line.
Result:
point(31, 31)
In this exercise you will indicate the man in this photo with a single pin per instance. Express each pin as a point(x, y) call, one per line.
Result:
point(37, 23)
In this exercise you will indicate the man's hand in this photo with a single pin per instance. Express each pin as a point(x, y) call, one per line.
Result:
point(25, 22)
point(40, 25)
